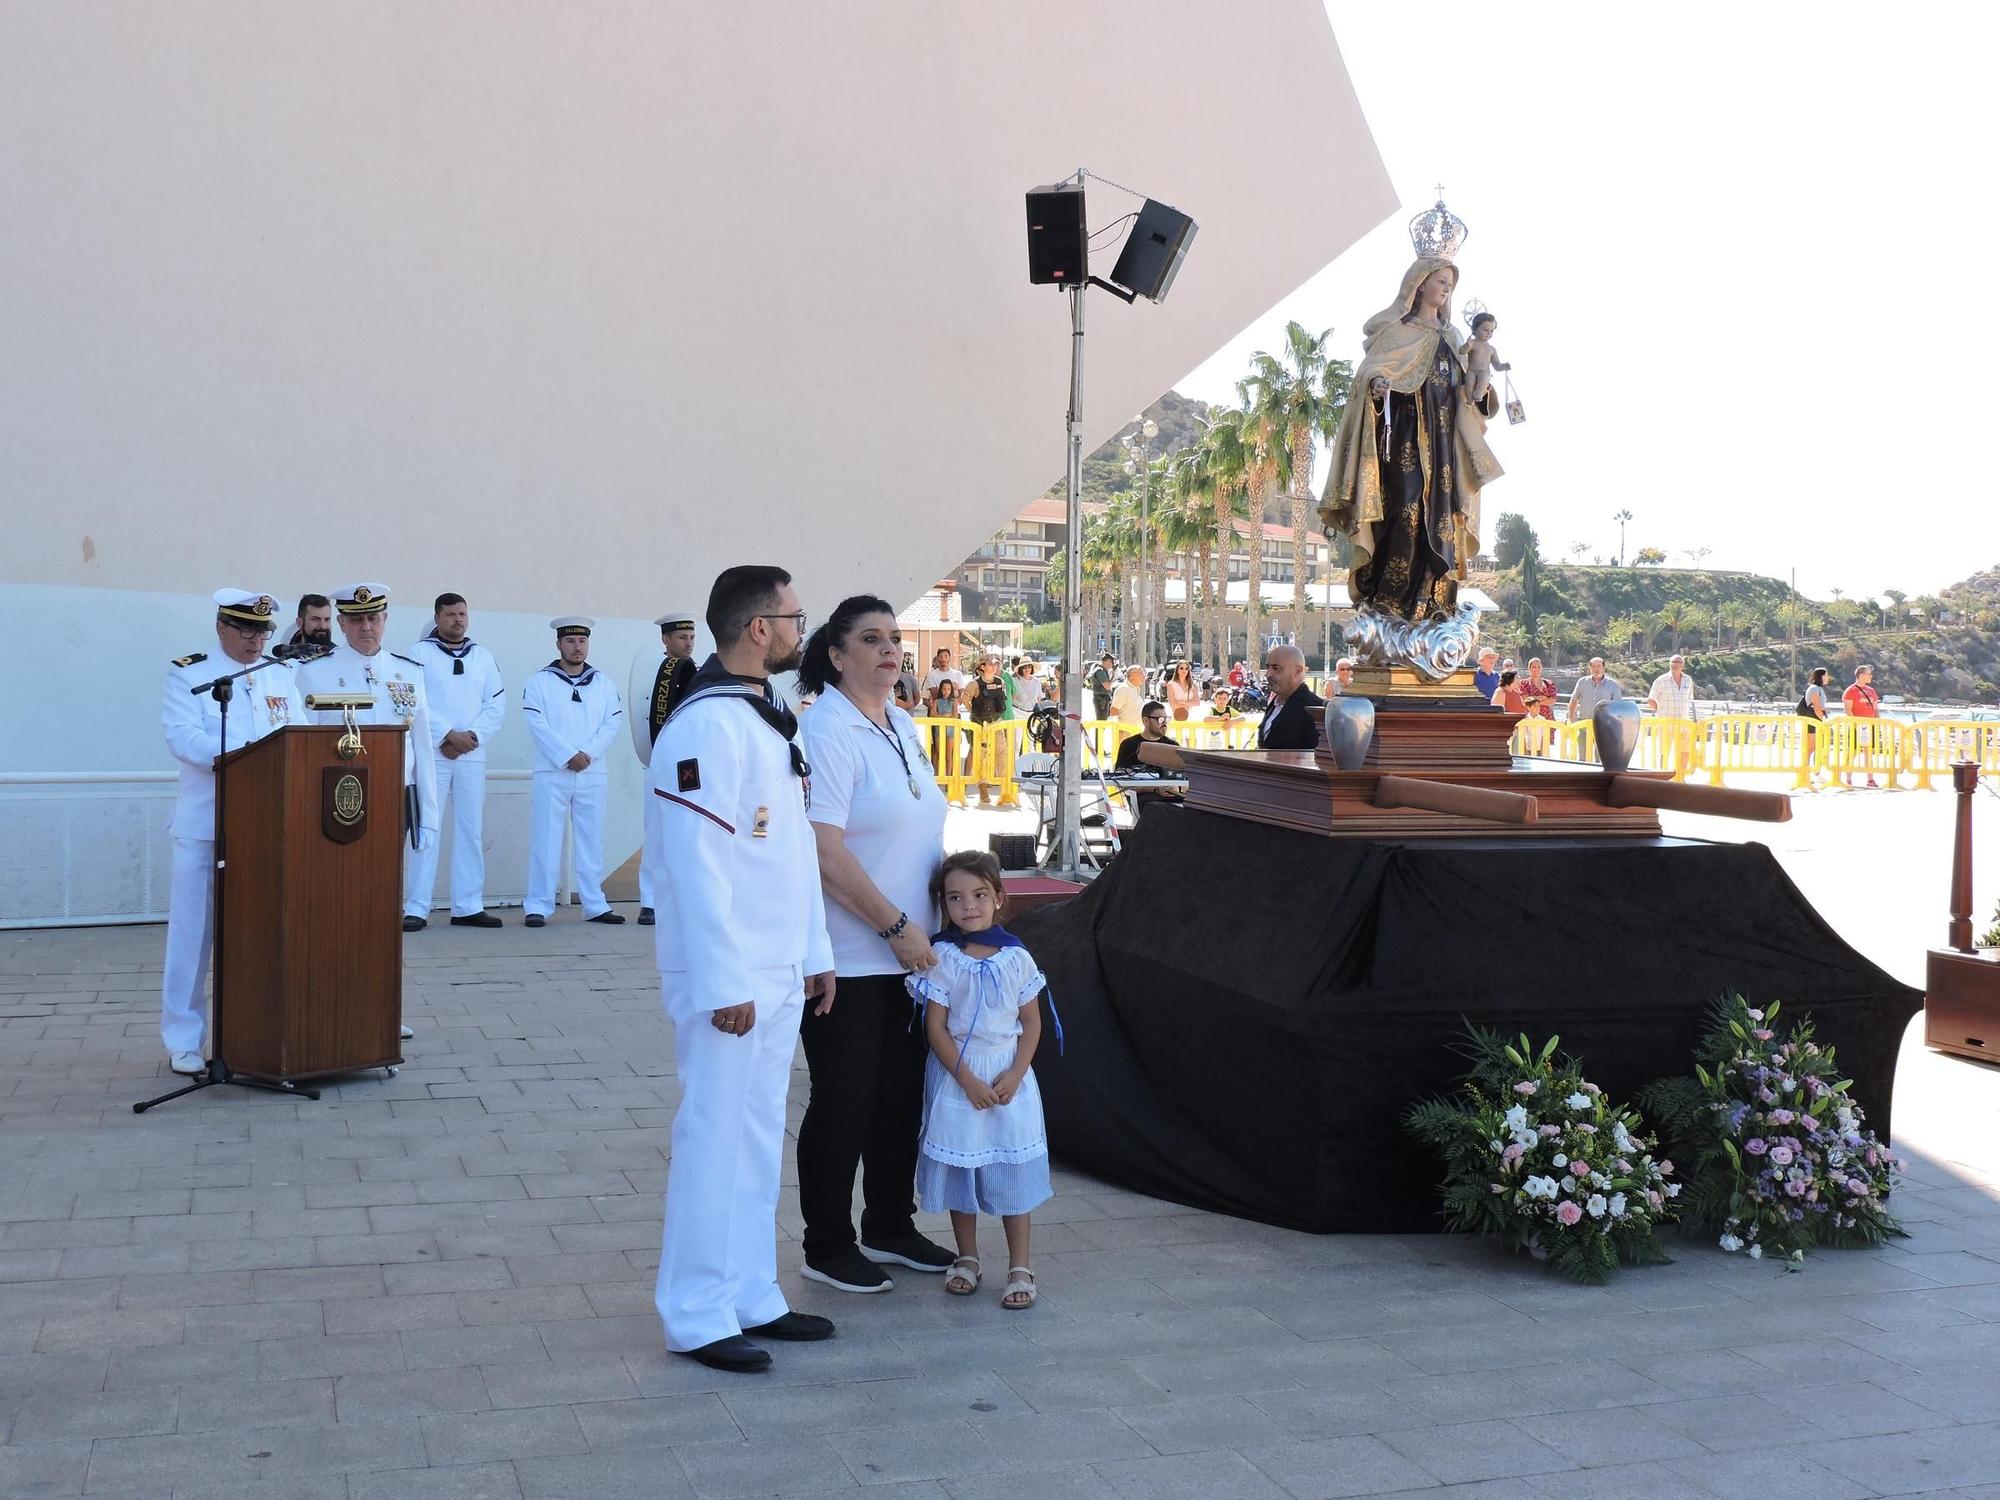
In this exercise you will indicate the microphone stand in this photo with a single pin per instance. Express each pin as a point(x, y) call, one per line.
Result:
point(222, 689)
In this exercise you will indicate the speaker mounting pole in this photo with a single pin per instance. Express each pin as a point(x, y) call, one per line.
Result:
point(1066, 846)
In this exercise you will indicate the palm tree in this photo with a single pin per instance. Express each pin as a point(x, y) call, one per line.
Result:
point(1560, 630)
point(1180, 527)
point(1624, 629)
point(1269, 469)
point(1896, 611)
point(1675, 616)
point(1229, 458)
point(1737, 617)
point(1296, 397)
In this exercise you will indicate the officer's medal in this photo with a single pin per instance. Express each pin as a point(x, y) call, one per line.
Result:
point(760, 824)
point(403, 696)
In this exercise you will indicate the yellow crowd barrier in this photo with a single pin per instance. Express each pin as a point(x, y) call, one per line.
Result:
point(967, 757)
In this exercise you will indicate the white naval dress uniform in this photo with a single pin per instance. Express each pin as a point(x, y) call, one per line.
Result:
point(266, 700)
point(741, 918)
point(473, 698)
point(565, 714)
point(397, 684)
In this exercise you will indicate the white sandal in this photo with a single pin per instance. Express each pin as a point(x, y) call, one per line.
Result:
point(1020, 1283)
point(957, 1275)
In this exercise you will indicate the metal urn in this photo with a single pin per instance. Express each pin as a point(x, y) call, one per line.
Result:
point(1350, 725)
point(1616, 725)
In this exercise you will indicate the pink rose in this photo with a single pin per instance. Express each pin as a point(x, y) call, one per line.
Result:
point(1524, 1088)
point(1761, 1034)
point(1567, 1212)
point(1580, 1168)
point(1512, 1153)
point(1781, 1156)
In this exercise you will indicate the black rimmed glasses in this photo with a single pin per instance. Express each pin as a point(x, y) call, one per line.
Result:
point(797, 617)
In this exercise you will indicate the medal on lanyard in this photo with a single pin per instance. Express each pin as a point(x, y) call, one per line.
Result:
point(760, 824)
point(896, 743)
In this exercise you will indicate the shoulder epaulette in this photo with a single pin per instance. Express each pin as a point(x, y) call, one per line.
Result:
point(410, 659)
point(188, 661)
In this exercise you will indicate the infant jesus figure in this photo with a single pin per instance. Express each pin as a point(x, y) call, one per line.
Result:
point(1481, 358)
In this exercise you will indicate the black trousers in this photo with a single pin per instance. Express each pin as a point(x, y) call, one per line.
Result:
point(866, 1058)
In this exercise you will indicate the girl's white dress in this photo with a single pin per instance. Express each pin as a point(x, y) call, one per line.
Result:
point(990, 1161)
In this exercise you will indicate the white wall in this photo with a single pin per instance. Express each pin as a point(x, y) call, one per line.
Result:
point(568, 306)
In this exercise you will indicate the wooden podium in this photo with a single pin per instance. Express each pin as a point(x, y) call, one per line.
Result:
point(308, 920)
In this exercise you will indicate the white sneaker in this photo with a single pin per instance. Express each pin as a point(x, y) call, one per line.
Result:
point(189, 1063)
point(404, 1032)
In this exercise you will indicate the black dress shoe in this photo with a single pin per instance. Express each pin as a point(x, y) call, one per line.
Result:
point(609, 918)
point(736, 1353)
point(414, 924)
point(645, 916)
point(477, 919)
point(794, 1328)
point(535, 919)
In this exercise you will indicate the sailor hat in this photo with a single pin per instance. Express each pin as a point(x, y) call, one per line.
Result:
point(675, 622)
point(245, 607)
point(572, 625)
point(362, 599)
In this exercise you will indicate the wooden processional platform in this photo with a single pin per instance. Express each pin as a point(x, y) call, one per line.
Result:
point(1439, 766)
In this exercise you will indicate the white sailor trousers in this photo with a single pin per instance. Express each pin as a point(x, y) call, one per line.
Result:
point(558, 798)
point(190, 927)
point(719, 1246)
point(464, 782)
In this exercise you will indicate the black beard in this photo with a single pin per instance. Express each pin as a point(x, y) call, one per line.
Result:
point(317, 637)
point(776, 661)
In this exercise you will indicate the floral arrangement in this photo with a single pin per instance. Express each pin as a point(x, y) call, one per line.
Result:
point(1782, 1159)
point(1537, 1155)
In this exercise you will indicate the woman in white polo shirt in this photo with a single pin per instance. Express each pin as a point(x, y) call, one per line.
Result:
point(878, 817)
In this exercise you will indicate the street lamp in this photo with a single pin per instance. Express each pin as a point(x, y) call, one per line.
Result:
point(1140, 447)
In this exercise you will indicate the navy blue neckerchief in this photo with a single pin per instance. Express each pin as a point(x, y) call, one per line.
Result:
point(714, 680)
point(995, 936)
point(457, 653)
point(582, 679)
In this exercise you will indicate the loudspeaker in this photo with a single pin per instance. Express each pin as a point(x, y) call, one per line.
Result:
point(1015, 851)
point(1058, 246)
point(1152, 256)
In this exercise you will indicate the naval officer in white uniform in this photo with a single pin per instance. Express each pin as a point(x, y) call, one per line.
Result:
point(264, 701)
point(467, 703)
point(742, 948)
point(574, 714)
point(657, 683)
point(360, 665)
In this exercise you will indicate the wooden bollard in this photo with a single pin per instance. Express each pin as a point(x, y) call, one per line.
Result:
point(1715, 801)
point(1485, 803)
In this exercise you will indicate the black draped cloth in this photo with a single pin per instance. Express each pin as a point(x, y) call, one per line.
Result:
point(1249, 1011)
point(1411, 572)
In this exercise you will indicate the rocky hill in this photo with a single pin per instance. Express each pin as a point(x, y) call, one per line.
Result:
point(1736, 629)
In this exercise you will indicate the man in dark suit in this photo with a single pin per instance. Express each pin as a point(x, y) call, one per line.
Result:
point(1286, 724)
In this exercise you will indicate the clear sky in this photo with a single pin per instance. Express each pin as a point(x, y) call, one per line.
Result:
point(1733, 250)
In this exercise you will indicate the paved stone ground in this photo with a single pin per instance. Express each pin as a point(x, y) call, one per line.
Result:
point(439, 1285)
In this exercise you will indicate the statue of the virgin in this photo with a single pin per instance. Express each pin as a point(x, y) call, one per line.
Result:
point(1410, 456)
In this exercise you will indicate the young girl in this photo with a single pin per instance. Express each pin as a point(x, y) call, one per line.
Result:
point(984, 1147)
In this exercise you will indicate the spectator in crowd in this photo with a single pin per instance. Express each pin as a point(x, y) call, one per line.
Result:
point(986, 703)
point(1812, 708)
point(1507, 695)
point(1486, 676)
point(1152, 730)
point(1027, 689)
point(945, 702)
point(1591, 689)
point(941, 671)
point(1672, 697)
point(1129, 698)
point(1239, 675)
point(1099, 683)
point(1343, 675)
point(1182, 694)
point(1537, 691)
point(1862, 702)
point(1287, 725)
